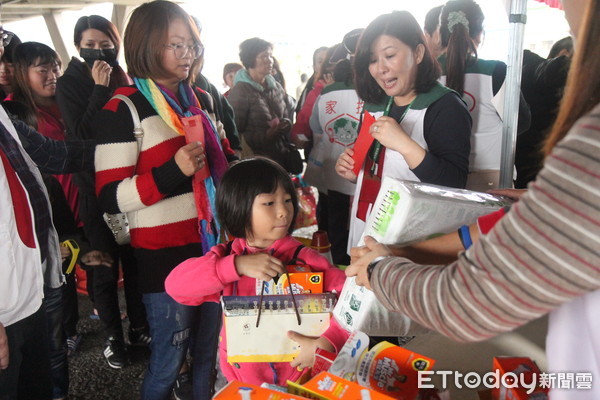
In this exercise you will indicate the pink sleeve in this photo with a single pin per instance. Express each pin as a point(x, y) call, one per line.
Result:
point(202, 279)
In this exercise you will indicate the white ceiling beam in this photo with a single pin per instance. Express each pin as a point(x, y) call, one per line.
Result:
point(52, 22)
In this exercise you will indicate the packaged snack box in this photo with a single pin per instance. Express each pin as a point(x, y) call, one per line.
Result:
point(392, 370)
point(326, 386)
point(519, 379)
point(236, 390)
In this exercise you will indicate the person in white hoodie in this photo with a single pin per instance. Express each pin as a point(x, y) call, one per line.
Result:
point(29, 251)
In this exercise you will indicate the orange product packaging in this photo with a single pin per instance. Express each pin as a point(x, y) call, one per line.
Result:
point(302, 280)
point(392, 370)
point(236, 390)
point(526, 386)
point(325, 386)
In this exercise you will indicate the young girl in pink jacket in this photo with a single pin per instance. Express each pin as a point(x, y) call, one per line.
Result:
point(257, 205)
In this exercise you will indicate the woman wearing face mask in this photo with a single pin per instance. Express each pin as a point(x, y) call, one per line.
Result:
point(81, 92)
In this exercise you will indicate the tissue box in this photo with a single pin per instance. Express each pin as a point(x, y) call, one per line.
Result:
point(358, 309)
point(268, 342)
point(408, 211)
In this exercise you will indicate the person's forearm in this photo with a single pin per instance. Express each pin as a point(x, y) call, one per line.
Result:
point(439, 250)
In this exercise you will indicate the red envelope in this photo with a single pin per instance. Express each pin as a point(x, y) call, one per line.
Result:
point(194, 132)
point(363, 142)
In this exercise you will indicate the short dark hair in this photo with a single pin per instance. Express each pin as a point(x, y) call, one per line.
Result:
point(432, 19)
point(565, 43)
point(99, 23)
point(240, 185)
point(146, 33)
point(404, 27)
point(10, 48)
point(250, 49)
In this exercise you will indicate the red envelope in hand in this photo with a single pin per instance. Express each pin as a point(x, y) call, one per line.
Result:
point(194, 132)
point(363, 142)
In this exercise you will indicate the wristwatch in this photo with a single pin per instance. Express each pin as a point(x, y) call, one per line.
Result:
point(372, 265)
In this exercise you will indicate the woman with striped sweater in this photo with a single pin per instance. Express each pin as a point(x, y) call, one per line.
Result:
point(542, 257)
point(170, 206)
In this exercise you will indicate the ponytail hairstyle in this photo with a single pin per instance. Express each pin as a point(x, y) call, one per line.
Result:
point(461, 22)
point(582, 91)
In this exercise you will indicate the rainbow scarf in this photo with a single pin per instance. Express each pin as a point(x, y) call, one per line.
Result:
point(172, 109)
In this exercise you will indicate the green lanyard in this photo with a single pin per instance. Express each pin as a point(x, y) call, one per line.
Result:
point(376, 148)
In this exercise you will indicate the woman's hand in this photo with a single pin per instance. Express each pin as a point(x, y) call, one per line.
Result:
point(391, 135)
point(308, 346)
point(101, 73)
point(362, 257)
point(97, 257)
point(190, 158)
point(345, 165)
point(513, 194)
point(259, 266)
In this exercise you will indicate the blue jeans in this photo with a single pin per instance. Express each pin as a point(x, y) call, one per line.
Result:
point(204, 346)
point(170, 327)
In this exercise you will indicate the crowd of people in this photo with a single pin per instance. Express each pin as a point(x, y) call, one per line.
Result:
point(205, 182)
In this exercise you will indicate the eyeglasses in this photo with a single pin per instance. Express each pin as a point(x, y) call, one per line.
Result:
point(181, 50)
point(6, 37)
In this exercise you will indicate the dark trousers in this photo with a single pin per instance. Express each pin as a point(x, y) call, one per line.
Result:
point(71, 306)
point(103, 280)
point(28, 373)
point(338, 214)
point(59, 367)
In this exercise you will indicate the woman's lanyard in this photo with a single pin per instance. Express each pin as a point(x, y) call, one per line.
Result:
point(375, 150)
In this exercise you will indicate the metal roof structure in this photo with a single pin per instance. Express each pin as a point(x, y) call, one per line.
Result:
point(15, 10)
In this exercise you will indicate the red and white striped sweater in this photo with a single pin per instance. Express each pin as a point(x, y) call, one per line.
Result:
point(152, 189)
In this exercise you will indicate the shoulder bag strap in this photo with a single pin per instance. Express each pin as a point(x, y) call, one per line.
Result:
point(138, 133)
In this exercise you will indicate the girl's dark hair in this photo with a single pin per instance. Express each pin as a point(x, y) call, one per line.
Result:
point(26, 55)
point(239, 187)
point(404, 27)
point(343, 72)
point(458, 39)
point(99, 23)
point(582, 91)
point(146, 34)
point(250, 48)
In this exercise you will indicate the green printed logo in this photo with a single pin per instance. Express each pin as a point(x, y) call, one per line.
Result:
point(348, 318)
point(386, 211)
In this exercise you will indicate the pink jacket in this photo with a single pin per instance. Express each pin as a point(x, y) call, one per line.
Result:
point(203, 279)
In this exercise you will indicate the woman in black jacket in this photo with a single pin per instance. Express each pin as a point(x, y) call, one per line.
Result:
point(81, 92)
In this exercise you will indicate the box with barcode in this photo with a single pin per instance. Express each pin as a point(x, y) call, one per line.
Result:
point(406, 211)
